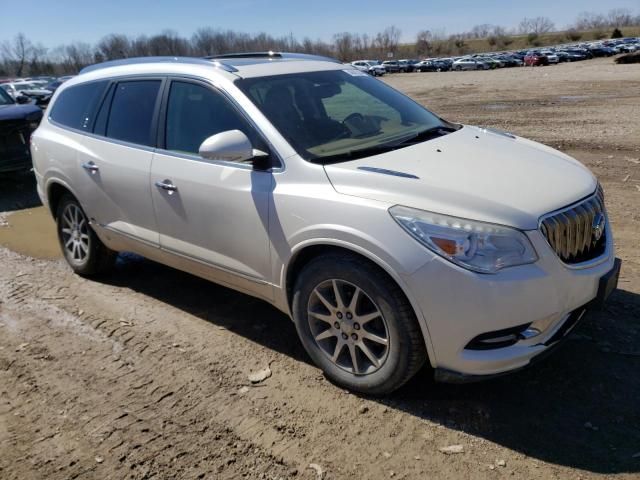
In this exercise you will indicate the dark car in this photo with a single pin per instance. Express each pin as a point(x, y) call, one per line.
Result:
point(602, 51)
point(428, 66)
point(510, 60)
point(576, 55)
point(408, 65)
point(17, 122)
point(391, 66)
point(53, 85)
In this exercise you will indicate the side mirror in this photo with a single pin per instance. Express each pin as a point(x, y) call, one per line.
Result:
point(230, 146)
point(22, 99)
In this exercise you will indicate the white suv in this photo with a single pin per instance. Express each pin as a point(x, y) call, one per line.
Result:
point(369, 66)
point(392, 237)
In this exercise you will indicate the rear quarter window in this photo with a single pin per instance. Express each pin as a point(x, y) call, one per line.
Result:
point(76, 106)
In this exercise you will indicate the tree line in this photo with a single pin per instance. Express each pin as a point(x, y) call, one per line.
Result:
point(21, 57)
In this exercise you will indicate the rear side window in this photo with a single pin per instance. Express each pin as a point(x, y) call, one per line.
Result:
point(76, 105)
point(132, 110)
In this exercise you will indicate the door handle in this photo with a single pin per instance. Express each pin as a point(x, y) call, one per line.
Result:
point(166, 185)
point(91, 167)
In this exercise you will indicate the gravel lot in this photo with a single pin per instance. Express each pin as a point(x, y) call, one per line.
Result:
point(143, 374)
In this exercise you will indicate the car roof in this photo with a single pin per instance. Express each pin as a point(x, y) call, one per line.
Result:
point(239, 65)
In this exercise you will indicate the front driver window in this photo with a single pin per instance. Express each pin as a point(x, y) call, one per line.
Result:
point(195, 112)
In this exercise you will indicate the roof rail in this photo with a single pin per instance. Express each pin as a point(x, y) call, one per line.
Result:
point(272, 54)
point(143, 60)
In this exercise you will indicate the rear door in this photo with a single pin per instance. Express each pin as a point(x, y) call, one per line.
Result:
point(215, 212)
point(116, 159)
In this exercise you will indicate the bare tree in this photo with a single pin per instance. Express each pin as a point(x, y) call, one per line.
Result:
point(115, 46)
point(77, 56)
point(537, 25)
point(168, 43)
point(15, 53)
point(573, 35)
point(590, 21)
point(423, 43)
point(481, 31)
point(343, 44)
point(387, 40)
point(620, 17)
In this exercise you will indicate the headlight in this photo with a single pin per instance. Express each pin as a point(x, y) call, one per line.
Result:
point(478, 246)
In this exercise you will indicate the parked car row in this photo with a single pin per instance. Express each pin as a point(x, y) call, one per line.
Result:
point(36, 90)
point(493, 60)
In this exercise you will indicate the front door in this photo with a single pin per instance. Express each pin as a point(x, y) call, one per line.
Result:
point(212, 212)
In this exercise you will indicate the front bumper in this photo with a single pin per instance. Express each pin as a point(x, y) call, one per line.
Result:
point(459, 305)
point(14, 146)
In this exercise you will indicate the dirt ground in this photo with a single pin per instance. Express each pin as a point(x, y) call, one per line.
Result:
point(143, 374)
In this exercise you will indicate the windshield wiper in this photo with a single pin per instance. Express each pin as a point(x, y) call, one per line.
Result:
point(354, 154)
point(425, 135)
point(422, 136)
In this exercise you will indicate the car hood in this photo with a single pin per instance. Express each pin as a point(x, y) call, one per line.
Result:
point(19, 112)
point(471, 173)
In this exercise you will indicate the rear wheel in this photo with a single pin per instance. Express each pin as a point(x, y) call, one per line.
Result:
point(356, 324)
point(82, 248)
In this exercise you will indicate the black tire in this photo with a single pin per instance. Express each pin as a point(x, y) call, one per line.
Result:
point(405, 352)
point(92, 257)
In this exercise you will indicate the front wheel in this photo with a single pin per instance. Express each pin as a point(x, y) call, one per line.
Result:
point(82, 248)
point(357, 325)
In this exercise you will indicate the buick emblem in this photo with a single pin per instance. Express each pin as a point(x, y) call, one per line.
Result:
point(597, 227)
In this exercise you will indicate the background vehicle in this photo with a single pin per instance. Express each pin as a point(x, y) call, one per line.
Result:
point(391, 66)
point(370, 67)
point(15, 89)
point(601, 51)
point(575, 55)
point(53, 86)
point(428, 66)
point(17, 122)
point(469, 63)
point(492, 62)
point(535, 58)
point(408, 65)
point(552, 58)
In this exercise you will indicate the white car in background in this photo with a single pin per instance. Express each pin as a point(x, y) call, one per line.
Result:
point(15, 89)
point(551, 56)
point(369, 66)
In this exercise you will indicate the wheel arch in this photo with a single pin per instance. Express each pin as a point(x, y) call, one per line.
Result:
point(54, 192)
point(309, 251)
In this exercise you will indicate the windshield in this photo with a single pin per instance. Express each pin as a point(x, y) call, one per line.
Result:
point(5, 99)
point(338, 112)
point(24, 86)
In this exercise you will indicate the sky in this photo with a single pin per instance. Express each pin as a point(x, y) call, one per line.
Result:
point(55, 22)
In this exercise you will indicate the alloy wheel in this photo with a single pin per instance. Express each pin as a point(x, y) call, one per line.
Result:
point(348, 327)
point(75, 233)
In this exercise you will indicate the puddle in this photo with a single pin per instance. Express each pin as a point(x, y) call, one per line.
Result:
point(30, 232)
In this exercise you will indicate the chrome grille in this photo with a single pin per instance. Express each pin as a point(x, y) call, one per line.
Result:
point(571, 232)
